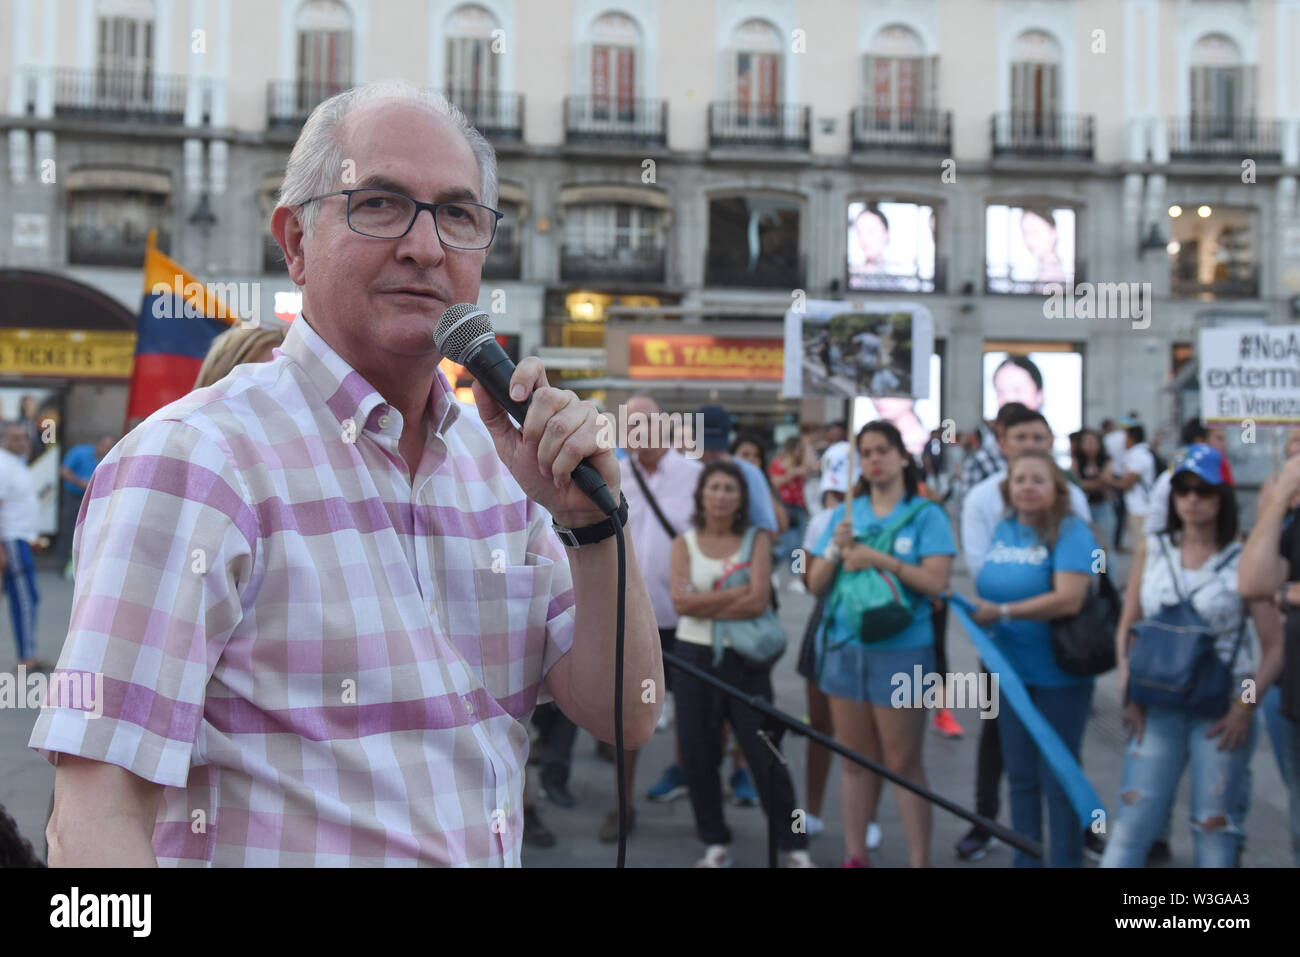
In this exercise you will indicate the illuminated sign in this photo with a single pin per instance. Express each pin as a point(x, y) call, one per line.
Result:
point(65, 353)
point(704, 357)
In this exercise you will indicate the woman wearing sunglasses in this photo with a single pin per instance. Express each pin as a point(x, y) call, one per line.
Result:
point(1194, 559)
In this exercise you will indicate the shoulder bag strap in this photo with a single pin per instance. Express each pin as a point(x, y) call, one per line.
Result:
point(654, 505)
point(894, 527)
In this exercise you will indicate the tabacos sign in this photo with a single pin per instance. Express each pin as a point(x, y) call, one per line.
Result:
point(704, 357)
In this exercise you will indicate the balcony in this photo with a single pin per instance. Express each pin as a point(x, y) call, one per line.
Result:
point(1053, 136)
point(498, 116)
point(612, 265)
point(881, 282)
point(503, 261)
point(289, 103)
point(110, 247)
point(119, 96)
point(1231, 281)
point(601, 120)
point(1005, 284)
point(886, 130)
point(767, 126)
point(1224, 138)
point(725, 270)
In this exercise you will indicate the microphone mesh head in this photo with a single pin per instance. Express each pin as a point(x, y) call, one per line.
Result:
point(461, 327)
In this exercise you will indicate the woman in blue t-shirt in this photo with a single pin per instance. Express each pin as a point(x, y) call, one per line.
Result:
point(874, 707)
point(1038, 568)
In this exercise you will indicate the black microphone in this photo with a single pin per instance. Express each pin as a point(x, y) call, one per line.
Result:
point(464, 335)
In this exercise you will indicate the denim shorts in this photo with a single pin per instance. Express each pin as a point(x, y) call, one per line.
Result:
point(861, 673)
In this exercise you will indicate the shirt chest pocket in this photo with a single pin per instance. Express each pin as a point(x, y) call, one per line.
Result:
point(496, 618)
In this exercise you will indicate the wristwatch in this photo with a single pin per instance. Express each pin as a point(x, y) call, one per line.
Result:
point(596, 531)
point(1004, 613)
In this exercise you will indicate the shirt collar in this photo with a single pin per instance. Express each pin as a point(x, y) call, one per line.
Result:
point(347, 393)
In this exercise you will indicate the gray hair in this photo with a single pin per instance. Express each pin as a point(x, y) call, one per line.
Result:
point(317, 156)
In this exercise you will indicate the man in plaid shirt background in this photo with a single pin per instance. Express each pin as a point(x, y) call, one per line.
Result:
point(322, 594)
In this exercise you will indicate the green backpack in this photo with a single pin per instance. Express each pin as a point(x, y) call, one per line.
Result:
point(875, 598)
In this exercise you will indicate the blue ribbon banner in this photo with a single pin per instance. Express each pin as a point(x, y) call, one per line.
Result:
point(1055, 753)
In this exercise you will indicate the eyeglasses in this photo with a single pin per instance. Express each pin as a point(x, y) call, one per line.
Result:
point(384, 214)
point(1199, 489)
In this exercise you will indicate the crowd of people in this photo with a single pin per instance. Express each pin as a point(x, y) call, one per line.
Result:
point(1030, 534)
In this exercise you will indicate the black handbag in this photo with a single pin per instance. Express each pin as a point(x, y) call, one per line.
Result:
point(1084, 645)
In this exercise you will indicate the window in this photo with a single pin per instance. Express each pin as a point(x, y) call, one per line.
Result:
point(757, 77)
point(110, 227)
point(324, 51)
point(124, 52)
point(614, 231)
point(899, 80)
point(754, 240)
point(1222, 89)
point(1029, 247)
point(615, 40)
point(1212, 252)
point(471, 72)
point(1035, 83)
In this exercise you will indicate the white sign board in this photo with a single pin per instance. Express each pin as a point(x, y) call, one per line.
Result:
point(841, 350)
point(1250, 373)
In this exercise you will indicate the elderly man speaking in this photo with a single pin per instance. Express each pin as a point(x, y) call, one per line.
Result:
point(322, 594)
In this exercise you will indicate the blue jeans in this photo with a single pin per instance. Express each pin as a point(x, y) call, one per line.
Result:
point(1030, 780)
point(1152, 771)
point(20, 586)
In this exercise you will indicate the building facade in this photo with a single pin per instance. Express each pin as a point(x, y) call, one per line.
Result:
point(694, 167)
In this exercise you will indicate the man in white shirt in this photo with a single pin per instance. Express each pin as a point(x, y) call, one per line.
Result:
point(1114, 440)
point(18, 508)
point(1019, 428)
point(1136, 476)
point(668, 479)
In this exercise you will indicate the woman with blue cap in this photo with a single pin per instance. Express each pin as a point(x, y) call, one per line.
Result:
point(1192, 563)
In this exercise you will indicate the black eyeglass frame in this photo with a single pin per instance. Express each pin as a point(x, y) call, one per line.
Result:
point(419, 207)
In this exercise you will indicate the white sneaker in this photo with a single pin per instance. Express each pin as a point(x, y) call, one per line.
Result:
point(873, 836)
point(799, 859)
point(715, 856)
point(666, 716)
point(814, 824)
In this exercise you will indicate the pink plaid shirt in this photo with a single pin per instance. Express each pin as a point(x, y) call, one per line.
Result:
point(329, 662)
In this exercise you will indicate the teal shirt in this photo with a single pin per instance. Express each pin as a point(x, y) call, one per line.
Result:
point(926, 533)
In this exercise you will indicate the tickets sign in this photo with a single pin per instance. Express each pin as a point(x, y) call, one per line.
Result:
point(704, 357)
point(66, 353)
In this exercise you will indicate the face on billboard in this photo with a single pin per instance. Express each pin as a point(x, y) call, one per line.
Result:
point(891, 246)
point(1028, 248)
point(1047, 382)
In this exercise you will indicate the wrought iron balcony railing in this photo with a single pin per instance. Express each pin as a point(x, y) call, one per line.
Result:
point(773, 126)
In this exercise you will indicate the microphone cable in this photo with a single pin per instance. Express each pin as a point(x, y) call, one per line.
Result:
point(619, 758)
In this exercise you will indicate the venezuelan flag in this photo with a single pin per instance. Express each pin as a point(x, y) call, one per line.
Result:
point(179, 318)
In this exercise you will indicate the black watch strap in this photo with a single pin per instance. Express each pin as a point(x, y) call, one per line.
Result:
point(595, 532)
